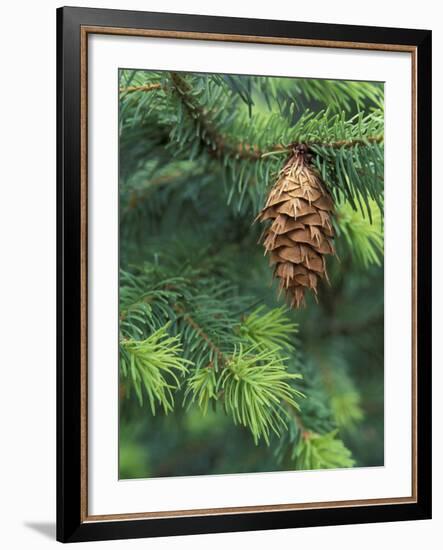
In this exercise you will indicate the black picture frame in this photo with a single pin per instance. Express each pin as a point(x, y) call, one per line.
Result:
point(72, 526)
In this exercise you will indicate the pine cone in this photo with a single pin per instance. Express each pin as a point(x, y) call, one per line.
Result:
point(301, 231)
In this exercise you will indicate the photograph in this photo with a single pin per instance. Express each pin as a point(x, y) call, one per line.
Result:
point(251, 274)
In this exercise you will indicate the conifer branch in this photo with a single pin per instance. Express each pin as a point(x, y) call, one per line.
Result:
point(348, 142)
point(216, 142)
point(219, 144)
point(199, 330)
point(210, 137)
point(142, 88)
point(341, 143)
point(322, 451)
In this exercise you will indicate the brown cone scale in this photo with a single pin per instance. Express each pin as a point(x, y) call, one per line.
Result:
point(298, 213)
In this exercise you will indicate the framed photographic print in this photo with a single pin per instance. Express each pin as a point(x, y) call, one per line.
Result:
point(244, 253)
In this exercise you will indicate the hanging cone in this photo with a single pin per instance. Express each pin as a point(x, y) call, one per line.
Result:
point(299, 229)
